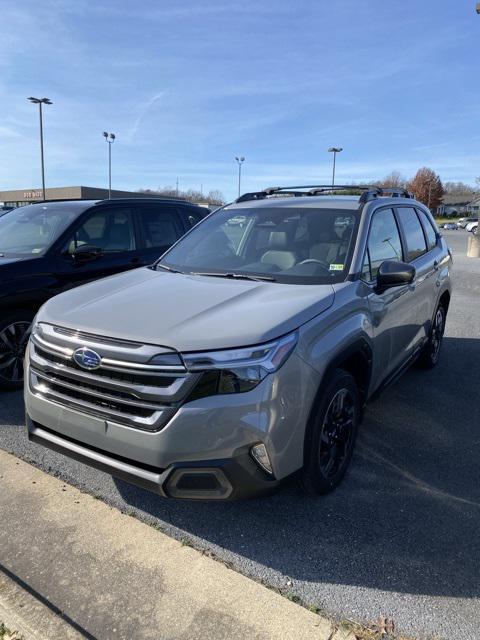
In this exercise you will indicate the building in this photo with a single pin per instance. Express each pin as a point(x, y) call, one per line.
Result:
point(474, 206)
point(21, 197)
point(458, 204)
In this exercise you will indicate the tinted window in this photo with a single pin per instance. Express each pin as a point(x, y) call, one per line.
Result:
point(384, 240)
point(110, 230)
point(191, 216)
point(161, 226)
point(413, 232)
point(429, 230)
point(32, 230)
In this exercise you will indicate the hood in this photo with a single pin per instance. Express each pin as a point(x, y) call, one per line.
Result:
point(186, 312)
point(5, 260)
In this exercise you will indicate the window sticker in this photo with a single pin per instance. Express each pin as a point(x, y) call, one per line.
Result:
point(336, 267)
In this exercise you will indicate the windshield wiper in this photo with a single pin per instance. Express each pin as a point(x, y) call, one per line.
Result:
point(164, 266)
point(236, 276)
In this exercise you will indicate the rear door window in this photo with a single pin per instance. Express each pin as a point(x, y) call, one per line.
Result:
point(383, 243)
point(190, 216)
point(412, 229)
point(428, 228)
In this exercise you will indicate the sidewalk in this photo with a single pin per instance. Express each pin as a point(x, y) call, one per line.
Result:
point(112, 576)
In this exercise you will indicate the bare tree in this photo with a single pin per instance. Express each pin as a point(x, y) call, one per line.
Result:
point(216, 197)
point(192, 195)
point(459, 188)
point(427, 187)
point(393, 180)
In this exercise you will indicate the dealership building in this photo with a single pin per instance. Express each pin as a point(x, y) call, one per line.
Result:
point(21, 197)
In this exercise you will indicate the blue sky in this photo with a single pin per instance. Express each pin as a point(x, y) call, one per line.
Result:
point(187, 85)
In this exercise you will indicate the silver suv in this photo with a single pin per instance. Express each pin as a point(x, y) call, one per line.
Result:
point(247, 353)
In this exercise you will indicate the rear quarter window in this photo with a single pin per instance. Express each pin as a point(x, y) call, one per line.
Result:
point(429, 229)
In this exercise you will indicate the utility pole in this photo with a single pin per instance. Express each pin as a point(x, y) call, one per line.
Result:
point(240, 160)
point(176, 189)
point(41, 101)
point(109, 137)
point(334, 150)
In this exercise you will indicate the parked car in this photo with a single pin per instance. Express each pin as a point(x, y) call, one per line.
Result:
point(237, 360)
point(462, 222)
point(237, 221)
point(51, 247)
point(471, 225)
point(450, 226)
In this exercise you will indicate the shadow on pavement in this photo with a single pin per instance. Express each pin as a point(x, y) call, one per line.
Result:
point(407, 517)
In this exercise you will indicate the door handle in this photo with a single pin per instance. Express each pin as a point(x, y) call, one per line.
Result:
point(435, 265)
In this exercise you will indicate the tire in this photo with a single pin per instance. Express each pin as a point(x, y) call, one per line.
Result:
point(14, 334)
point(331, 434)
point(431, 352)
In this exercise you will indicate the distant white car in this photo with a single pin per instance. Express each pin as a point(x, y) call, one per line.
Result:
point(237, 221)
point(451, 226)
point(462, 222)
point(471, 225)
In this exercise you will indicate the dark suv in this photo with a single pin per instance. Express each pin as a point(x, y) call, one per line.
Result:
point(50, 247)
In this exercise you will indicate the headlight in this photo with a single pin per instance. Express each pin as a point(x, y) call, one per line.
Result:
point(34, 326)
point(238, 370)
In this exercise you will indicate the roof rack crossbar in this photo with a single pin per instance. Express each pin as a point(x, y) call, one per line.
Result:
point(370, 192)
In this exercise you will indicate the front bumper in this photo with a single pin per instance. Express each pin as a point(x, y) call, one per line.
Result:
point(204, 449)
point(233, 478)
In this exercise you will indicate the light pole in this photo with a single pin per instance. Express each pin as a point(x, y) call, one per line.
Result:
point(240, 160)
point(109, 137)
point(334, 150)
point(474, 240)
point(41, 101)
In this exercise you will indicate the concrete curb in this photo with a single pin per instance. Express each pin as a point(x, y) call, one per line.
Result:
point(114, 576)
point(24, 614)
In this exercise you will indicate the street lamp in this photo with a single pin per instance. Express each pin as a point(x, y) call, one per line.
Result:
point(109, 137)
point(41, 101)
point(240, 160)
point(334, 150)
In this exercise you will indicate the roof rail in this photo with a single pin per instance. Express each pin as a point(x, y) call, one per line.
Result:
point(370, 192)
point(383, 192)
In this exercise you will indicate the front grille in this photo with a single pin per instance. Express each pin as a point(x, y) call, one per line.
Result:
point(130, 378)
point(125, 389)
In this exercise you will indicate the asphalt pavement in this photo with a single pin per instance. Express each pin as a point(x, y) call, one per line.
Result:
point(400, 537)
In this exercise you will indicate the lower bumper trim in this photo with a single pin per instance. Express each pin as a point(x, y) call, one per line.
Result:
point(233, 478)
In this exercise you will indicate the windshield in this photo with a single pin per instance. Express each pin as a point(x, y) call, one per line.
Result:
point(289, 245)
point(31, 230)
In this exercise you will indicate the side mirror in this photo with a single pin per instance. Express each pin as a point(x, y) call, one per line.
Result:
point(86, 252)
point(394, 274)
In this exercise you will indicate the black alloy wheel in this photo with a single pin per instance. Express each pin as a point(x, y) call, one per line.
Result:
point(337, 433)
point(14, 335)
point(431, 352)
point(332, 433)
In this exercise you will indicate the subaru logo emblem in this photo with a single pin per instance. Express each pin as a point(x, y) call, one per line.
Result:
point(87, 359)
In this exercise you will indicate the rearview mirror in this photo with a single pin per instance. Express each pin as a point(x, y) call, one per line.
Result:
point(392, 273)
point(86, 252)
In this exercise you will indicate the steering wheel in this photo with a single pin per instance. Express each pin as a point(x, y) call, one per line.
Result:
point(315, 261)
